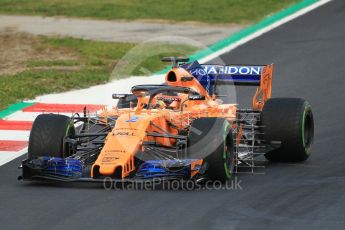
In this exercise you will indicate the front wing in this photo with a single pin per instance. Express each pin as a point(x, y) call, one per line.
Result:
point(73, 170)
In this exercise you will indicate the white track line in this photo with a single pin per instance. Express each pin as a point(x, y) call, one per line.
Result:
point(99, 94)
point(9, 156)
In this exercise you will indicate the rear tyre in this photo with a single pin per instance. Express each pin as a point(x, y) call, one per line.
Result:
point(211, 139)
point(47, 135)
point(289, 121)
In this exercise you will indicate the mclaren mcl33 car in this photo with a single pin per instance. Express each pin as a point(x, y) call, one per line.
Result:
point(178, 130)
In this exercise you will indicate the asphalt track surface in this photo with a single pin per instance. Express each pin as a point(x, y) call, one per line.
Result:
point(309, 53)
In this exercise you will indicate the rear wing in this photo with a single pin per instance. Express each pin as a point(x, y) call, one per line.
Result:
point(236, 75)
point(210, 76)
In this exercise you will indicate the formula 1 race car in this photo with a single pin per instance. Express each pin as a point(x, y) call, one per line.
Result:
point(178, 130)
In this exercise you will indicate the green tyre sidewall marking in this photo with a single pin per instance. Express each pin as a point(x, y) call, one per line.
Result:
point(307, 109)
point(70, 130)
point(226, 153)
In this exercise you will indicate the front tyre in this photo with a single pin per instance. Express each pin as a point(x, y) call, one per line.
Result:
point(47, 135)
point(289, 121)
point(211, 139)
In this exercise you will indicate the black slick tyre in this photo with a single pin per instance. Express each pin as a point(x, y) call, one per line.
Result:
point(290, 122)
point(47, 135)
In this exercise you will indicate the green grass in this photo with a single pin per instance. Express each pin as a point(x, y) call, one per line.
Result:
point(209, 11)
point(29, 84)
point(47, 63)
point(94, 62)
